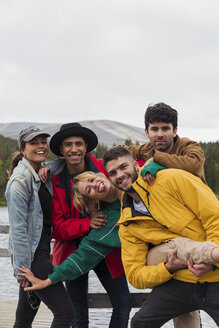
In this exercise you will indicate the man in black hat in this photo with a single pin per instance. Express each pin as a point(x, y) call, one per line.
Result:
point(74, 142)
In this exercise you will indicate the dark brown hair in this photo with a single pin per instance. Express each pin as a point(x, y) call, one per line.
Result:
point(161, 112)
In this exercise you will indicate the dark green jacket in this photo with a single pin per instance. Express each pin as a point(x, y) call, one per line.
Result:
point(92, 249)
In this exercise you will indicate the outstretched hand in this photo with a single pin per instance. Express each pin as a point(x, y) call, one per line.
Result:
point(36, 283)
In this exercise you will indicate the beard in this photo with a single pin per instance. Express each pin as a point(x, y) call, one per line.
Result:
point(133, 176)
point(163, 147)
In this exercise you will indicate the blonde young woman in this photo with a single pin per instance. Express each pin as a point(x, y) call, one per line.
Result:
point(29, 211)
point(94, 190)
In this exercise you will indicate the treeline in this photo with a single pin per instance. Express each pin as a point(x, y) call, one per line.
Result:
point(211, 150)
point(8, 146)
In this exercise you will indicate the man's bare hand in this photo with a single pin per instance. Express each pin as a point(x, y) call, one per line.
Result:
point(98, 220)
point(44, 173)
point(149, 178)
point(174, 263)
point(199, 269)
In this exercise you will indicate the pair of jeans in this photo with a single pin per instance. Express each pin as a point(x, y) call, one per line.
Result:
point(54, 296)
point(174, 298)
point(117, 289)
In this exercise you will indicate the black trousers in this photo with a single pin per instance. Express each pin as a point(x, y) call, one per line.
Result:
point(55, 297)
point(117, 289)
point(175, 297)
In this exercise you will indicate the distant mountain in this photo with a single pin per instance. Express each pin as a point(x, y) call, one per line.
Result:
point(108, 132)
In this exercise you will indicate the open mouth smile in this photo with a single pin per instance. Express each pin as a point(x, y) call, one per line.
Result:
point(74, 155)
point(101, 187)
point(123, 180)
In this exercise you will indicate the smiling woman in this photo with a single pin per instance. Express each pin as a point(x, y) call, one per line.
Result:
point(29, 210)
point(35, 151)
point(90, 188)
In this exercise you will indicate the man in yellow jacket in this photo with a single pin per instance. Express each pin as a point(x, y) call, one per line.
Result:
point(178, 204)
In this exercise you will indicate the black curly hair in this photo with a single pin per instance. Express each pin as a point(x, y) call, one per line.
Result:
point(160, 112)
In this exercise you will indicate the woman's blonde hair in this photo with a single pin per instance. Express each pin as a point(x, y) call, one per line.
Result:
point(81, 202)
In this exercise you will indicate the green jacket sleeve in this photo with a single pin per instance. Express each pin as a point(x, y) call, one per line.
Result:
point(152, 168)
point(92, 249)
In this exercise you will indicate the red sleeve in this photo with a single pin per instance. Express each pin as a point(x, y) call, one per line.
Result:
point(140, 162)
point(64, 226)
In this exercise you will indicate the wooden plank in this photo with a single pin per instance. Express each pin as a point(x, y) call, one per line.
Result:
point(4, 252)
point(101, 300)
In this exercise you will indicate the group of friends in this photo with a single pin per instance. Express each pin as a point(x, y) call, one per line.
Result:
point(143, 213)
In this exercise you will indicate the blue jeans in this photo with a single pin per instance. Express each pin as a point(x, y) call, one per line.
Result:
point(117, 289)
point(175, 297)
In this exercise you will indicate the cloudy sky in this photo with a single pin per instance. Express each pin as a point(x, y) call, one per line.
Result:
point(73, 60)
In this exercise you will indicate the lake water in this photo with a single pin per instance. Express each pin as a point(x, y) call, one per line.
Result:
point(98, 318)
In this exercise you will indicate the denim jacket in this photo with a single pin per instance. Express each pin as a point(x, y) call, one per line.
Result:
point(25, 214)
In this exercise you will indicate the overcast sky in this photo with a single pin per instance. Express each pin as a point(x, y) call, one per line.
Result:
point(73, 60)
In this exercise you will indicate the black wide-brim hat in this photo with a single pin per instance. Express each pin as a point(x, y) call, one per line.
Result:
point(73, 130)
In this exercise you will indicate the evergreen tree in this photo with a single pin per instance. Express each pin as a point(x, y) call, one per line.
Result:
point(100, 151)
point(128, 142)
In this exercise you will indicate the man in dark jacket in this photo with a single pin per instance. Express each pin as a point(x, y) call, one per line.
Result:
point(166, 148)
point(74, 142)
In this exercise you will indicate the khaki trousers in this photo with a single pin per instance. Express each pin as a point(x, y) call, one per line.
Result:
point(186, 248)
point(187, 320)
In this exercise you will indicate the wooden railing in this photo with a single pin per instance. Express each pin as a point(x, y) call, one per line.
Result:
point(5, 230)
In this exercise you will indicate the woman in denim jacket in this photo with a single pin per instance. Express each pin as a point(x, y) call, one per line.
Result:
point(29, 207)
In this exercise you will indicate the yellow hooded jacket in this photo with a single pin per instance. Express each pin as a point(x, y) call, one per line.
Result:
point(179, 205)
